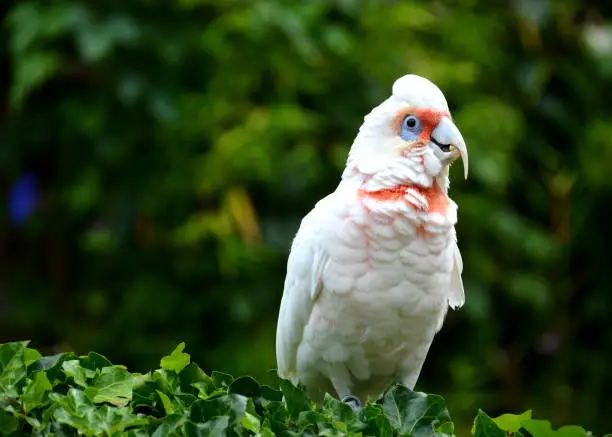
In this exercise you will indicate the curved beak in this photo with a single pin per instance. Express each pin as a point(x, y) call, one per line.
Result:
point(449, 140)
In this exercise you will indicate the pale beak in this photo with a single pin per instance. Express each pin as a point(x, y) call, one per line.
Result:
point(447, 138)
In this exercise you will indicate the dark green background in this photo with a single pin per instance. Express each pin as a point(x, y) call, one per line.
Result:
point(177, 144)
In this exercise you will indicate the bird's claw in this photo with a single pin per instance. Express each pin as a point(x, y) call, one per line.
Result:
point(353, 402)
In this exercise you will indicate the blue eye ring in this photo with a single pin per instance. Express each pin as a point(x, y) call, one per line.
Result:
point(411, 128)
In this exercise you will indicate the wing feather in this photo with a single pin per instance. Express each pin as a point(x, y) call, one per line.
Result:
point(303, 284)
point(456, 299)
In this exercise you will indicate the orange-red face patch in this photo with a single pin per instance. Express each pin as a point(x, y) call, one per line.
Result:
point(436, 199)
point(429, 119)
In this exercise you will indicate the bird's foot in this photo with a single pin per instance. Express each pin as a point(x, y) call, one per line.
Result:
point(353, 402)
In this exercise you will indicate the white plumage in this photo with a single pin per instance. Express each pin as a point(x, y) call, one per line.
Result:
point(375, 265)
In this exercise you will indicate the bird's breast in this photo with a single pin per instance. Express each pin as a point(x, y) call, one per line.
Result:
point(383, 241)
point(385, 290)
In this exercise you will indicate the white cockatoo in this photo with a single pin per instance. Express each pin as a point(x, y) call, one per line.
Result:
point(375, 265)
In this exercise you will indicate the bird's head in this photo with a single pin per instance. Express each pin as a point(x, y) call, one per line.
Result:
point(409, 139)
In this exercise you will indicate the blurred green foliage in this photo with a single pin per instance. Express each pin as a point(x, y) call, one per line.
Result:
point(171, 148)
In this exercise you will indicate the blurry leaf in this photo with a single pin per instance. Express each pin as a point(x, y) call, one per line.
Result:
point(177, 360)
point(97, 38)
point(31, 22)
point(85, 193)
point(543, 428)
point(243, 213)
point(531, 290)
point(483, 122)
point(572, 431)
point(35, 391)
point(94, 42)
point(512, 422)
point(595, 143)
point(484, 426)
point(31, 70)
point(98, 239)
point(8, 423)
point(202, 225)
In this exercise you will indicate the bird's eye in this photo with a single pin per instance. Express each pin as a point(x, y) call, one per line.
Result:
point(411, 121)
point(411, 128)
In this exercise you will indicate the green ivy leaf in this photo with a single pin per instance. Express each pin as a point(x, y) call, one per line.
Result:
point(484, 426)
point(92, 397)
point(217, 427)
point(167, 381)
point(77, 410)
point(30, 356)
point(572, 431)
point(543, 428)
point(195, 380)
point(204, 410)
point(170, 426)
point(12, 367)
point(78, 373)
point(271, 394)
point(113, 385)
point(266, 431)
point(72, 409)
point(8, 423)
point(375, 421)
point(512, 422)
point(177, 360)
point(52, 365)
point(414, 412)
point(245, 386)
point(295, 398)
point(221, 380)
point(95, 361)
point(165, 400)
point(35, 391)
point(250, 422)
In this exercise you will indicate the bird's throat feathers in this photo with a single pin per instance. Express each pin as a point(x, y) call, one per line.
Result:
point(425, 199)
